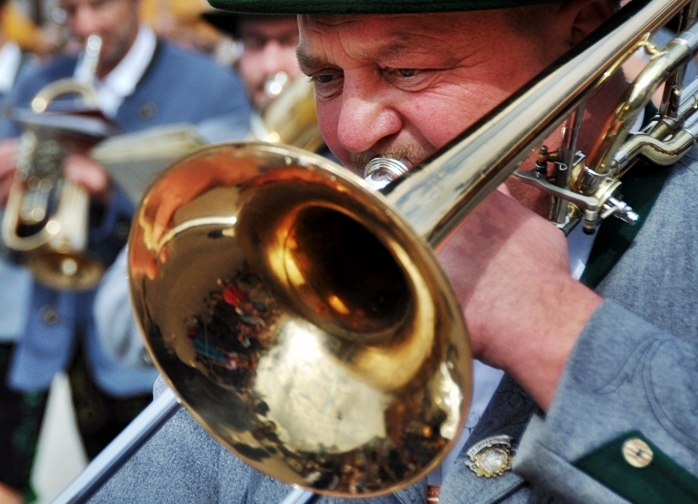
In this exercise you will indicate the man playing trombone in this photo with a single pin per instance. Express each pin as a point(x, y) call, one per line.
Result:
point(598, 401)
point(268, 47)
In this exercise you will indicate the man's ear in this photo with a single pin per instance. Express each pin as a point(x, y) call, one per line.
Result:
point(581, 17)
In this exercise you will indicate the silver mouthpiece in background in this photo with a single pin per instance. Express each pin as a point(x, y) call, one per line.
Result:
point(90, 60)
point(275, 85)
point(379, 172)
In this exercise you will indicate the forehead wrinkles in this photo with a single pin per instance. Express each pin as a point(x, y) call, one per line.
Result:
point(382, 37)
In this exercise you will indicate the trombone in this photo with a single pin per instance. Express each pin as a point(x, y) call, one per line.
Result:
point(277, 275)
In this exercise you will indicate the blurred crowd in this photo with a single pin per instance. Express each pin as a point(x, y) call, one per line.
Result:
point(39, 27)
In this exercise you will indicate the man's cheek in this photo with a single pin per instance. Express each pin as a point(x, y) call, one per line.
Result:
point(327, 122)
point(445, 115)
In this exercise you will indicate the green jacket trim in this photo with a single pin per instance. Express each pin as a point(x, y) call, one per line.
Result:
point(660, 480)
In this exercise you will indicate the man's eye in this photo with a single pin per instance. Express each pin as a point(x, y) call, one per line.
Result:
point(323, 79)
point(327, 85)
point(409, 79)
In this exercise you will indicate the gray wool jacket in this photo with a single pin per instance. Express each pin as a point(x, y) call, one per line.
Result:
point(634, 368)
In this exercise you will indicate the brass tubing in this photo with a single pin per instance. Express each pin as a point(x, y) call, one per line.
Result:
point(656, 72)
point(663, 153)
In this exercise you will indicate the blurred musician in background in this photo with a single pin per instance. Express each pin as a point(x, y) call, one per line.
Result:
point(268, 49)
point(585, 374)
point(141, 82)
point(283, 98)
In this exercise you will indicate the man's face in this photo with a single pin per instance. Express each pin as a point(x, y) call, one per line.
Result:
point(269, 46)
point(115, 21)
point(403, 86)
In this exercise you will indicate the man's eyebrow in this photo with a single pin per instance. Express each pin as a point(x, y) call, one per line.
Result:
point(308, 61)
point(392, 49)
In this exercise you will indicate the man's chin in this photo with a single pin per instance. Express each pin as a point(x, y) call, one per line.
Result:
point(259, 98)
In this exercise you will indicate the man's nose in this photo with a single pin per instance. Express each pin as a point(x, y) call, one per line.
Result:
point(276, 59)
point(365, 118)
point(84, 22)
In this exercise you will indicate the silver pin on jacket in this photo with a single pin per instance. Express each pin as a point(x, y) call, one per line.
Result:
point(491, 457)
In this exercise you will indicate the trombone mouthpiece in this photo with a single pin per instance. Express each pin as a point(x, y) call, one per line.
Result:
point(379, 172)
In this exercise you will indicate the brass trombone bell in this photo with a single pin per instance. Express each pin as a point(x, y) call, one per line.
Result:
point(347, 374)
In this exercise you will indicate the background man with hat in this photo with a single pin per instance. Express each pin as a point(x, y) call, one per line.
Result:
point(584, 374)
point(268, 47)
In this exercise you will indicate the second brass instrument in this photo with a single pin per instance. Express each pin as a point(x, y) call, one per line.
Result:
point(290, 118)
point(46, 216)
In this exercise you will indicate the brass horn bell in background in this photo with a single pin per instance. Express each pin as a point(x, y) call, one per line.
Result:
point(290, 118)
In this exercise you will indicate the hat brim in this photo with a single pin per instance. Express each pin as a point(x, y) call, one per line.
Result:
point(366, 6)
point(224, 21)
point(229, 22)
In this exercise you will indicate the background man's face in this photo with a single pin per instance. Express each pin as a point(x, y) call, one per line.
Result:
point(405, 85)
point(116, 21)
point(269, 47)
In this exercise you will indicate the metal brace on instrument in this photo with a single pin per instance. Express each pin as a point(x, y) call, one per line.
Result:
point(591, 209)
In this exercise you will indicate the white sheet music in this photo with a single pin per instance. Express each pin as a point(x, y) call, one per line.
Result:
point(133, 160)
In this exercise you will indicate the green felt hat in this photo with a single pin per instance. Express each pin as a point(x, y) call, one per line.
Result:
point(366, 6)
point(229, 22)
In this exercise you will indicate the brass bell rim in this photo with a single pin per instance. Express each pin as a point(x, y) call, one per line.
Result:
point(69, 271)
